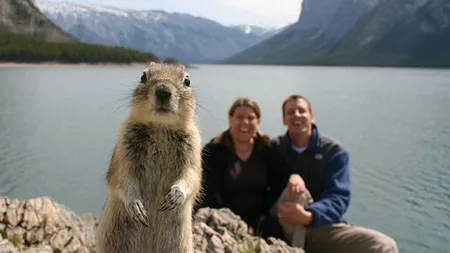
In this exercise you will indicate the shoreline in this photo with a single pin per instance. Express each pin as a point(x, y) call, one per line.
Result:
point(61, 64)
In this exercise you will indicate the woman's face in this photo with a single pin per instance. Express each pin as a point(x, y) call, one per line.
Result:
point(243, 123)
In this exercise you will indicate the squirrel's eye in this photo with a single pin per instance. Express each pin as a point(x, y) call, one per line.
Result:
point(187, 82)
point(144, 78)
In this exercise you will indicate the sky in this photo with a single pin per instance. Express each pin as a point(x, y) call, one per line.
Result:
point(269, 13)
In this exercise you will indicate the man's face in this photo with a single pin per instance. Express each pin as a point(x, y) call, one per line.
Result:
point(298, 117)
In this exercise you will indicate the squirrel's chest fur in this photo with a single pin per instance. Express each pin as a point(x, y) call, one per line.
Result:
point(157, 152)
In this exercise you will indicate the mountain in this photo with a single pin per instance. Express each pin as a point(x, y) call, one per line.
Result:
point(184, 37)
point(382, 33)
point(321, 25)
point(26, 35)
point(424, 38)
point(398, 33)
point(21, 17)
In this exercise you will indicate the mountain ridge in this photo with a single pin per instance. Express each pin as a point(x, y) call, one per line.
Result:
point(22, 17)
point(402, 33)
point(182, 36)
point(26, 35)
point(320, 26)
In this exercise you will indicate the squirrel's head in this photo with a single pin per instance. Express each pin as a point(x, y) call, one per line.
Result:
point(164, 95)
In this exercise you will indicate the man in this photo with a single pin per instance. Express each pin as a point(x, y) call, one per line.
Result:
point(323, 164)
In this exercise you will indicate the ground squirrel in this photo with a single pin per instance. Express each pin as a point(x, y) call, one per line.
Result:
point(155, 173)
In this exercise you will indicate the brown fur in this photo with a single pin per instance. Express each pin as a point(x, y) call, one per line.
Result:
point(154, 152)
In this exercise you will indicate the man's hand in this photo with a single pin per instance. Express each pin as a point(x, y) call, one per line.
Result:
point(296, 186)
point(294, 214)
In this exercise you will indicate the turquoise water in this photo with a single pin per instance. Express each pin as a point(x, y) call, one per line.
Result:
point(58, 127)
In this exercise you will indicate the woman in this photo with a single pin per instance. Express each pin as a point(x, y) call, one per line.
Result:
point(238, 164)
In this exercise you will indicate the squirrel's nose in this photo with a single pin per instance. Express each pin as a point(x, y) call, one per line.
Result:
point(163, 92)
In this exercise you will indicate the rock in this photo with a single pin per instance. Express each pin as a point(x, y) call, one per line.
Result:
point(34, 235)
point(3, 207)
point(14, 213)
point(41, 225)
point(223, 231)
point(215, 245)
point(7, 247)
point(46, 225)
point(40, 249)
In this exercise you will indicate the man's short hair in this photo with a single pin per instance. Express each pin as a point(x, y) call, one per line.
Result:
point(295, 97)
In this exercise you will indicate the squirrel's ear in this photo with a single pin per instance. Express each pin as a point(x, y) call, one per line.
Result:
point(181, 68)
point(144, 76)
point(187, 80)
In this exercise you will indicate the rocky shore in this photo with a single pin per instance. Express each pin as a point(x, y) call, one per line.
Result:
point(42, 225)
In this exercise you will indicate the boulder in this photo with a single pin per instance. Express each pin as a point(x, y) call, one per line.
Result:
point(41, 225)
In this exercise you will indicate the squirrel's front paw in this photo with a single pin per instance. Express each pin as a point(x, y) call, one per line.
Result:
point(174, 198)
point(137, 211)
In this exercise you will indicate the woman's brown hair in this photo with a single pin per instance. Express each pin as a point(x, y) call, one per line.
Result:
point(245, 102)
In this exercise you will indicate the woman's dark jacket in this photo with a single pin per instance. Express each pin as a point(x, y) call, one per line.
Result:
point(216, 156)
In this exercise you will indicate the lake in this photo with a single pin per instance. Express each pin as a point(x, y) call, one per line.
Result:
point(58, 126)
